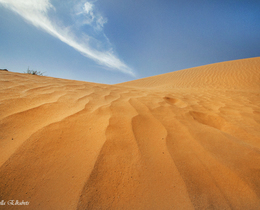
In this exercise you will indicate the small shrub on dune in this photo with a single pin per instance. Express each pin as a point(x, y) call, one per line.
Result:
point(34, 72)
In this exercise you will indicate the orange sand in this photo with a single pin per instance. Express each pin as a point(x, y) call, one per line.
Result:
point(183, 140)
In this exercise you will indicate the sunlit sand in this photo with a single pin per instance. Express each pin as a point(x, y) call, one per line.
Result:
point(184, 140)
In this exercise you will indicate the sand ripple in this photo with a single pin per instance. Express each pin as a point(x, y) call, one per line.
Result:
point(183, 140)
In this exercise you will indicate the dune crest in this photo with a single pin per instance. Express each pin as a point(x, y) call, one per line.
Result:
point(184, 140)
point(237, 74)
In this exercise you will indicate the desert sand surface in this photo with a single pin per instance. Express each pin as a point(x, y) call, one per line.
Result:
point(184, 140)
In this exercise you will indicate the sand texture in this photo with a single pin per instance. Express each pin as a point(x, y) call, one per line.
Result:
point(184, 140)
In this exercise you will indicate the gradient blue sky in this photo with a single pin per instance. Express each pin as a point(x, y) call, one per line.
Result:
point(112, 41)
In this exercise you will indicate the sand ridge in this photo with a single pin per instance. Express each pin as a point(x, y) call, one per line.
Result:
point(184, 140)
point(225, 75)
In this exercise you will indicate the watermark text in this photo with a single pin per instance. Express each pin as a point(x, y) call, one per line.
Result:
point(14, 203)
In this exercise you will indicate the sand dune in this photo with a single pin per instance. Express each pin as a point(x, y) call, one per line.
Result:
point(183, 140)
point(238, 74)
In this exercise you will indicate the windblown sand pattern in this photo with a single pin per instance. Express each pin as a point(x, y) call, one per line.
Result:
point(183, 140)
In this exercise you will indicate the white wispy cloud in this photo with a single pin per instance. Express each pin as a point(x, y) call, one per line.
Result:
point(90, 16)
point(87, 11)
point(36, 13)
point(88, 8)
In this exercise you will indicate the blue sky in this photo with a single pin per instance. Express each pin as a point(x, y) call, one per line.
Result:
point(113, 41)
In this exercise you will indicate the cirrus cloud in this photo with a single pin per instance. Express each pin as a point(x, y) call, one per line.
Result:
point(36, 12)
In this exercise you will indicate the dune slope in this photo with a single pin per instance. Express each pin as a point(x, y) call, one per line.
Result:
point(237, 74)
point(183, 140)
